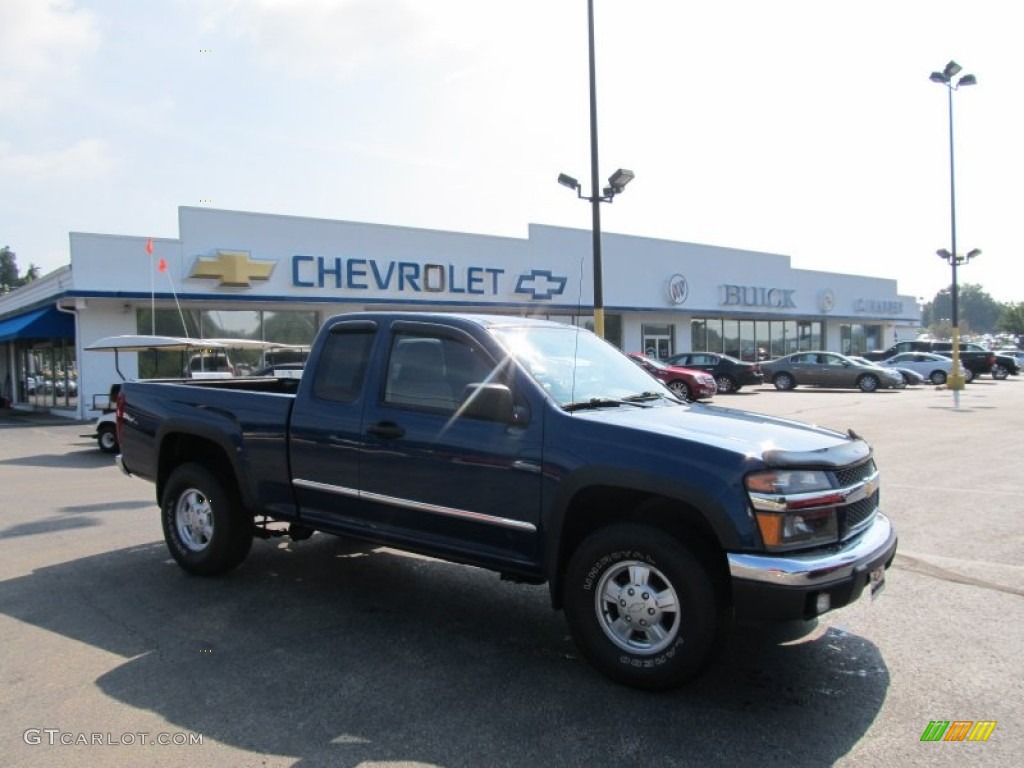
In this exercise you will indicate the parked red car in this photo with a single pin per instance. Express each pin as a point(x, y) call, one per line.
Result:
point(685, 382)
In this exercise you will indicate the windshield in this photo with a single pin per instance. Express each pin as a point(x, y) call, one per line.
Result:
point(575, 366)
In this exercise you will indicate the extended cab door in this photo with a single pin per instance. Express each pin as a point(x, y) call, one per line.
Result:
point(325, 432)
point(432, 472)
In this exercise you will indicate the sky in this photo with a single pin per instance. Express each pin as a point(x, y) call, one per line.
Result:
point(796, 127)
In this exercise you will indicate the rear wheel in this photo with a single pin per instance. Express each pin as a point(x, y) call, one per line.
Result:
point(641, 606)
point(725, 384)
point(868, 383)
point(784, 381)
point(106, 437)
point(206, 530)
point(937, 377)
point(1000, 371)
point(968, 375)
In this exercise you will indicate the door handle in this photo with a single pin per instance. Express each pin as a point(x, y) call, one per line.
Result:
point(387, 429)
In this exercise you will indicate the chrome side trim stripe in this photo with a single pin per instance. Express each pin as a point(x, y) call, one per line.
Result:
point(313, 485)
point(379, 498)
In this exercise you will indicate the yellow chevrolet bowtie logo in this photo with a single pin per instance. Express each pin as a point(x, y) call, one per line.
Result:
point(233, 268)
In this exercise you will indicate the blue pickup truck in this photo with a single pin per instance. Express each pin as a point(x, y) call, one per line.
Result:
point(533, 449)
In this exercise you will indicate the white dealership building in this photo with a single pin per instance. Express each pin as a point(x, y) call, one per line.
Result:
point(277, 278)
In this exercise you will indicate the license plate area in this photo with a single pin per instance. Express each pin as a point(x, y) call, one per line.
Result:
point(876, 581)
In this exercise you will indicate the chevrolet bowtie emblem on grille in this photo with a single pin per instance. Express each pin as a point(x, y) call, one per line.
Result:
point(233, 268)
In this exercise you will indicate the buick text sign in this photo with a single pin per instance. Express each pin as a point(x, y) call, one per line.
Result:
point(757, 296)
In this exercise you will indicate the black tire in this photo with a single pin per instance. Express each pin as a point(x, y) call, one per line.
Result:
point(1000, 371)
point(106, 438)
point(784, 382)
point(938, 378)
point(680, 388)
point(968, 375)
point(205, 527)
point(668, 587)
point(868, 383)
point(725, 384)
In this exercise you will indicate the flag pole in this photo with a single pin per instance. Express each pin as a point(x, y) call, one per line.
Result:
point(152, 290)
point(162, 267)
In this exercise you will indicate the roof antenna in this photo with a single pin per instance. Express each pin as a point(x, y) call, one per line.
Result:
point(576, 348)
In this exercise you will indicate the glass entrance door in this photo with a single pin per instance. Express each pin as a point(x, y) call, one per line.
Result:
point(658, 341)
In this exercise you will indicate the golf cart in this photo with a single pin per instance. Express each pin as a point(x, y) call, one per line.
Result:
point(105, 432)
point(200, 359)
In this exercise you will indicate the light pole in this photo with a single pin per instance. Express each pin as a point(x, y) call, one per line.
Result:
point(616, 183)
point(945, 77)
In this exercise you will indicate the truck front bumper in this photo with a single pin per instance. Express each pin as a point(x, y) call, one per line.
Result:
point(806, 584)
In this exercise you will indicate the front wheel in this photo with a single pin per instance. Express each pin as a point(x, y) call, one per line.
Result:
point(1000, 371)
point(680, 389)
point(640, 606)
point(868, 383)
point(206, 530)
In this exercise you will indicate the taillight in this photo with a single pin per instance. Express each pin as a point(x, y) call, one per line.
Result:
point(119, 415)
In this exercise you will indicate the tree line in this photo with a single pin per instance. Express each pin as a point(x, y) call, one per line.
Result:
point(9, 276)
point(978, 313)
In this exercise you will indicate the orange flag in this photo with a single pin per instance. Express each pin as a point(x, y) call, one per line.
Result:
point(149, 246)
point(162, 265)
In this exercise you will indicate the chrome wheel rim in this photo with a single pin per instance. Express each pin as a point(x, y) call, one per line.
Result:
point(724, 384)
point(193, 519)
point(638, 608)
point(107, 440)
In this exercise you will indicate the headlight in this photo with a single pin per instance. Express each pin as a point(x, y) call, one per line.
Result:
point(794, 508)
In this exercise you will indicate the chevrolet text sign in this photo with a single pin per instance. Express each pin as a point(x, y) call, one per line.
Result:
point(416, 277)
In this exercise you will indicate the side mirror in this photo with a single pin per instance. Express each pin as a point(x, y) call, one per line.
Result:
point(489, 402)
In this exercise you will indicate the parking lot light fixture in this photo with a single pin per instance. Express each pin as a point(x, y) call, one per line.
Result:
point(568, 181)
point(616, 183)
point(946, 78)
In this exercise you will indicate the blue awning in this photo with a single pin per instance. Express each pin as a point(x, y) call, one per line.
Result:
point(45, 323)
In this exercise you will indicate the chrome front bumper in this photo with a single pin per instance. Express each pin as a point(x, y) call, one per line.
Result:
point(787, 586)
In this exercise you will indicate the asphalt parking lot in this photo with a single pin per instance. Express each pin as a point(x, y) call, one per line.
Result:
point(331, 653)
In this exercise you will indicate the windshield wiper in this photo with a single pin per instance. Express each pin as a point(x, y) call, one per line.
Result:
point(645, 397)
point(603, 402)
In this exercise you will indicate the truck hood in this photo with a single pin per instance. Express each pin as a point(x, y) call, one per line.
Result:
point(775, 441)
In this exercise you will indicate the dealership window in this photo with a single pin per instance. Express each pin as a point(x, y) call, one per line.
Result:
point(857, 339)
point(612, 325)
point(284, 327)
point(48, 373)
point(754, 339)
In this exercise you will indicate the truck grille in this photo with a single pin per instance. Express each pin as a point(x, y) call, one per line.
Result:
point(850, 475)
point(855, 517)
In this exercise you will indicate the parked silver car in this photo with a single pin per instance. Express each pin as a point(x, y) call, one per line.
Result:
point(935, 368)
point(827, 369)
